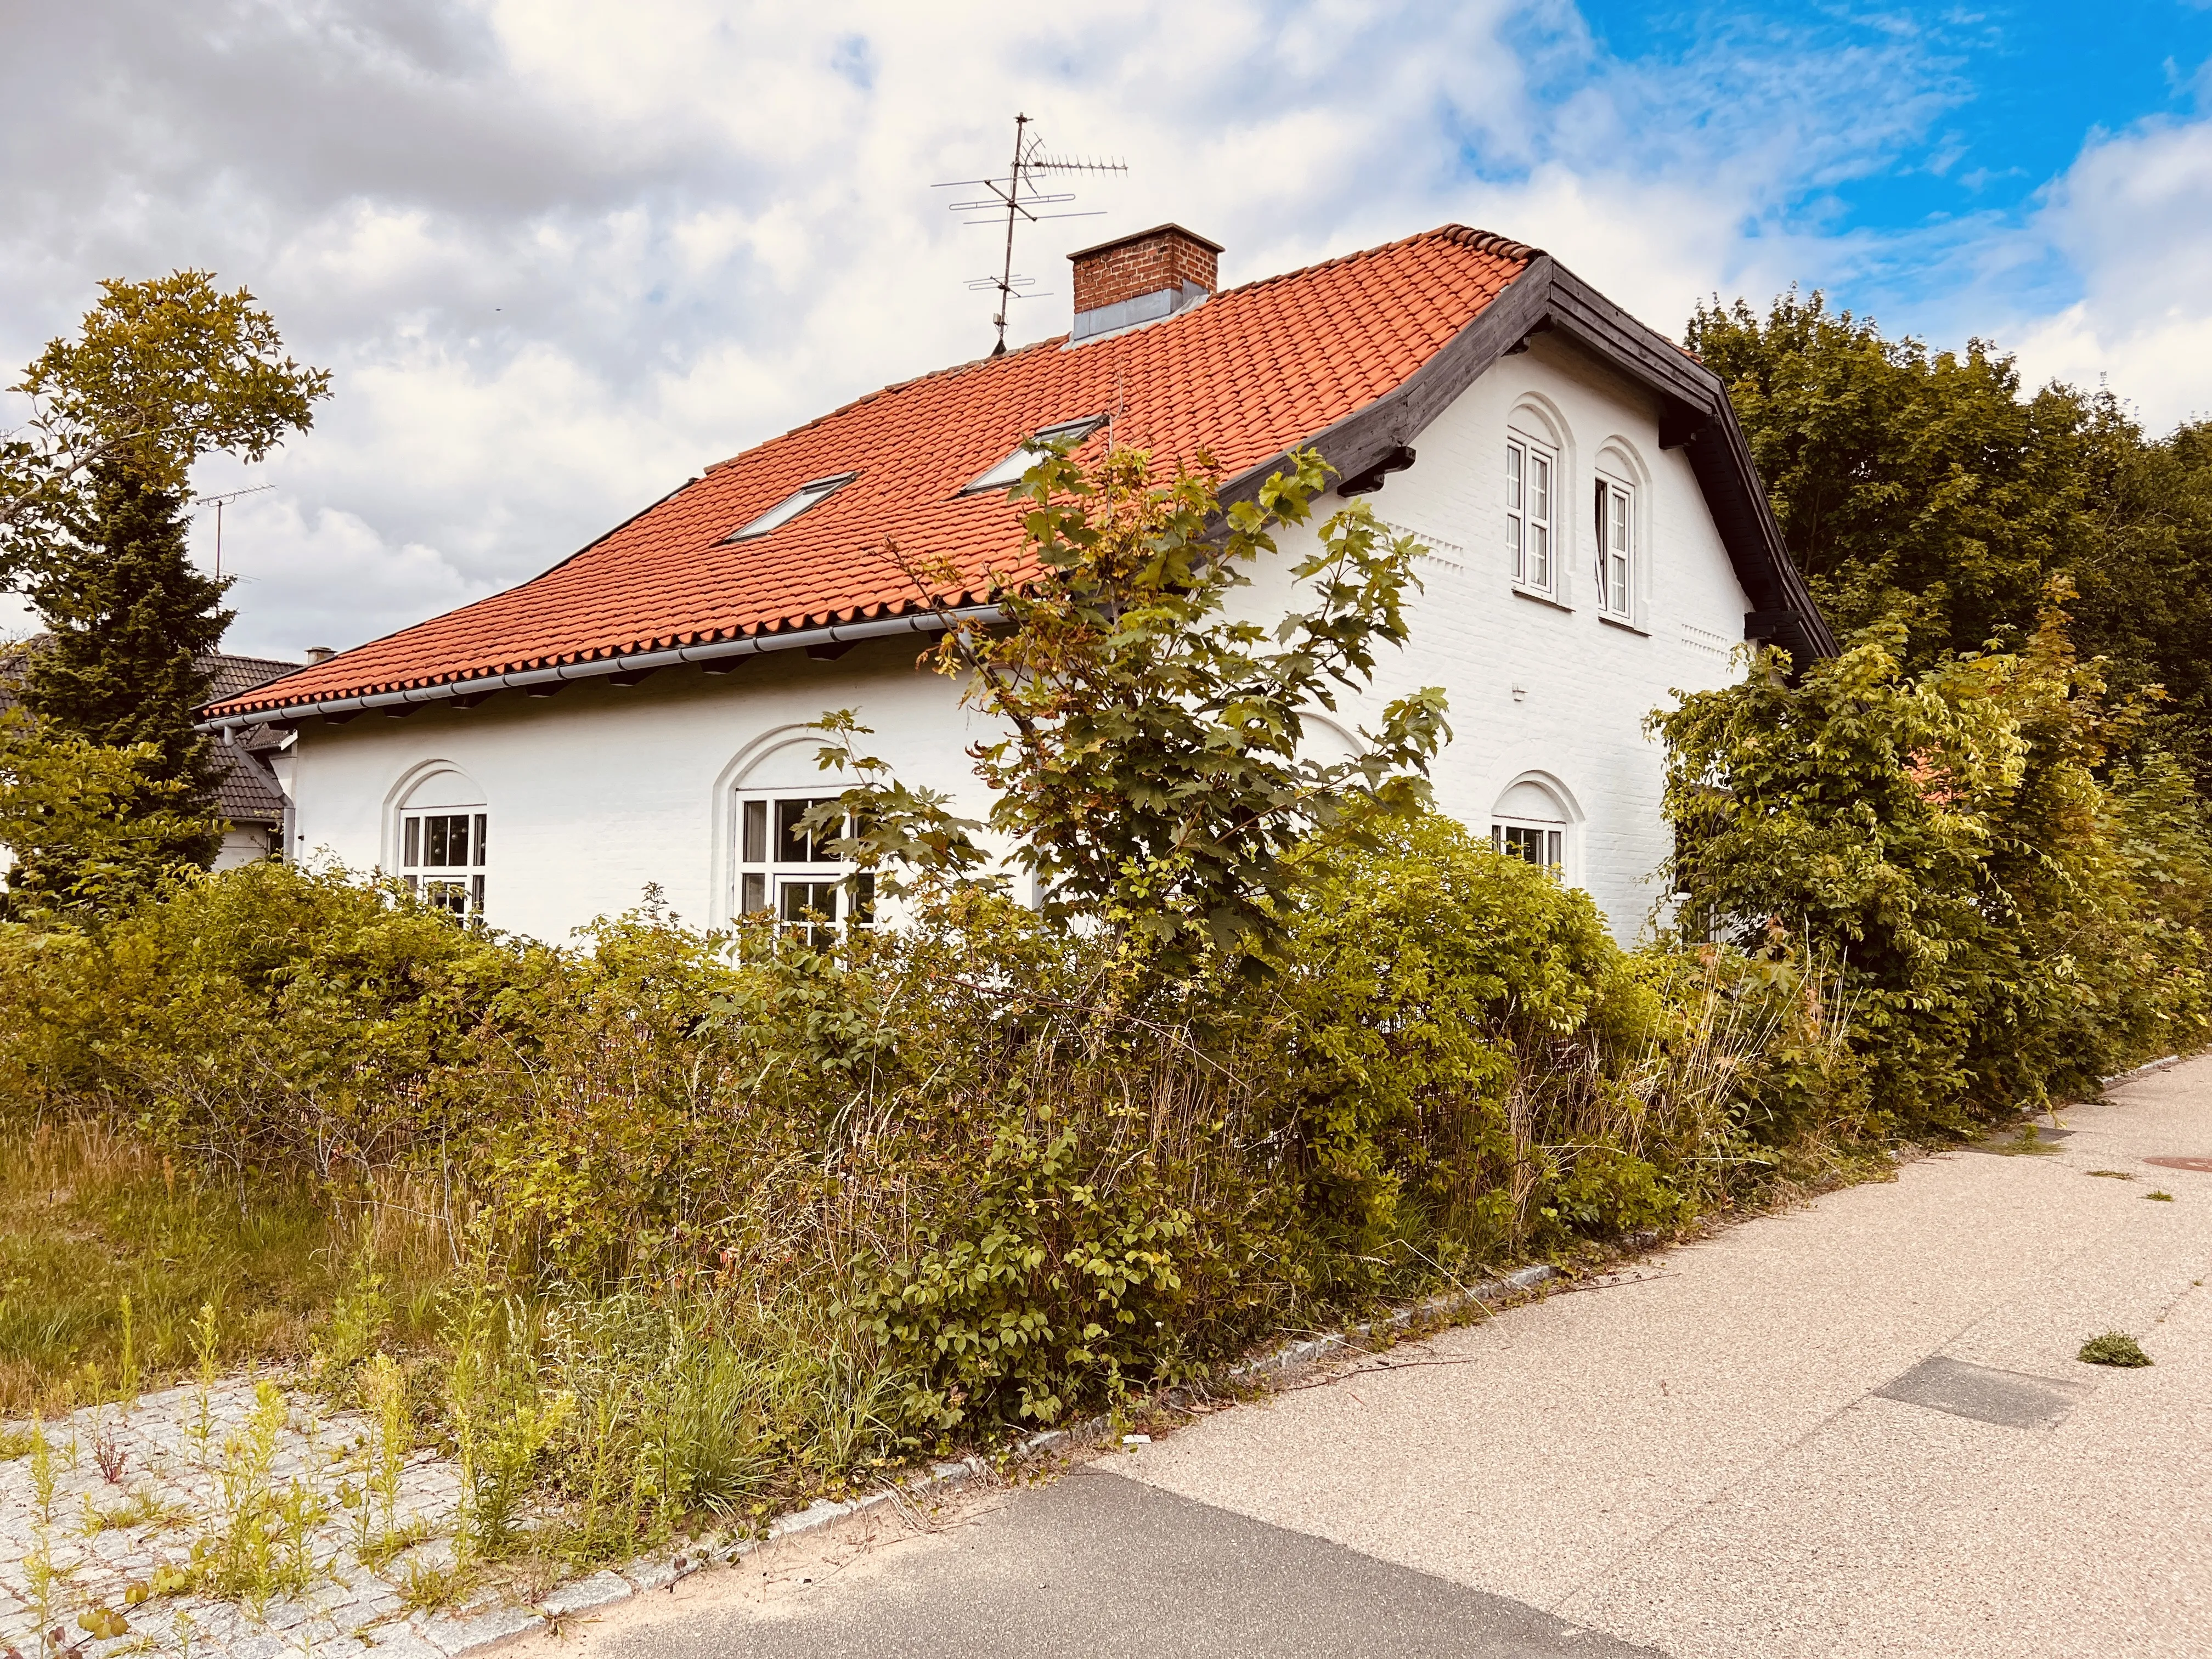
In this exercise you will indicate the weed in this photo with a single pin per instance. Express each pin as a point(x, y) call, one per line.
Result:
point(262, 1545)
point(2113, 1348)
point(427, 1586)
point(2113, 1175)
point(384, 1389)
point(42, 1473)
point(382, 1548)
point(108, 1453)
point(2162, 1198)
point(103, 1623)
point(206, 1346)
point(15, 1443)
point(41, 1579)
point(144, 1508)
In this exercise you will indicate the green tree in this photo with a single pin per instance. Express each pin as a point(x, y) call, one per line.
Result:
point(1926, 488)
point(2011, 919)
point(129, 620)
point(90, 826)
point(162, 373)
point(91, 522)
point(1153, 774)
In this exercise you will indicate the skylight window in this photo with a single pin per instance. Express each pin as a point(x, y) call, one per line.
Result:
point(1009, 472)
point(790, 507)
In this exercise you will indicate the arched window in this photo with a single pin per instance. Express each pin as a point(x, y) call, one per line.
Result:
point(1530, 822)
point(783, 869)
point(1621, 507)
point(441, 837)
point(1539, 535)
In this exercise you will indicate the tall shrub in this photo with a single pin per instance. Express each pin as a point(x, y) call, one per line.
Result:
point(1955, 841)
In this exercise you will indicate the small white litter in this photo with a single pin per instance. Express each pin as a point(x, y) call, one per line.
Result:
point(1136, 1440)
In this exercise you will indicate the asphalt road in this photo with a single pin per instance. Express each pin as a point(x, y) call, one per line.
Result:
point(1856, 1429)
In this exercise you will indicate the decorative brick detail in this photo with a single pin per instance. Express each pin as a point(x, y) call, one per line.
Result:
point(1166, 256)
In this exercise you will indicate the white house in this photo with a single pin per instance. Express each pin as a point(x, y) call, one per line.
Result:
point(636, 714)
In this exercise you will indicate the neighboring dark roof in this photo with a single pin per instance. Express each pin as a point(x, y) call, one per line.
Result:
point(1353, 357)
point(246, 790)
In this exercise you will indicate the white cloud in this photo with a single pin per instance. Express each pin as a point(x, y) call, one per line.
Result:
point(561, 254)
point(2133, 216)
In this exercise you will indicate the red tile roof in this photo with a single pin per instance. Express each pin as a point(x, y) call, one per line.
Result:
point(1252, 372)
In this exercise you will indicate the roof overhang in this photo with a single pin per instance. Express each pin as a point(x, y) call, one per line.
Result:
point(1695, 416)
point(468, 692)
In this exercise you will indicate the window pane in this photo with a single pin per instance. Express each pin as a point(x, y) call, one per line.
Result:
point(1539, 492)
point(809, 901)
point(755, 893)
point(433, 838)
point(413, 856)
point(1552, 849)
point(475, 894)
point(793, 844)
point(448, 896)
point(457, 840)
point(755, 839)
point(1619, 521)
point(1513, 478)
point(863, 898)
point(1540, 555)
point(480, 838)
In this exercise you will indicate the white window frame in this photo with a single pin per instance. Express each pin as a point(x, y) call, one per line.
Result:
point(1520, 837)
point(806, 496)
point(1008, 473)
point(1619, 575)
point(782, 874)
point(427, 843)
point(1532, 505)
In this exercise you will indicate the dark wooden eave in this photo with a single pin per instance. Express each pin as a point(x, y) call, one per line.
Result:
point(1694, 415)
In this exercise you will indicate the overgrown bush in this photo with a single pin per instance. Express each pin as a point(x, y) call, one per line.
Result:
point(1015, 1173)
point(2013, 909)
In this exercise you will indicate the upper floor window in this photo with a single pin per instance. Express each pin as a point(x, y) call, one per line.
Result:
point(789, 872)
point(1528, 468)
point(441, 856)
point(1616, 548)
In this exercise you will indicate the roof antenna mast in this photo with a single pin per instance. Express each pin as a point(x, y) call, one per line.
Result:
point(1018, 197)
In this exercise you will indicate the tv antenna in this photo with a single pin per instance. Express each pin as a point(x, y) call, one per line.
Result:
point(220, 502)
point(1018, 197)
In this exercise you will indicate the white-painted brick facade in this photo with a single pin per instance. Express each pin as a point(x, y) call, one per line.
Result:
point(594, 794)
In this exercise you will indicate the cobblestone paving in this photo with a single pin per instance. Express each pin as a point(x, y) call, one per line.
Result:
point(135, 1489)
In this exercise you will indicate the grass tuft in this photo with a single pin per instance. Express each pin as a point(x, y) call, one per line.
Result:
point(2113, 1348)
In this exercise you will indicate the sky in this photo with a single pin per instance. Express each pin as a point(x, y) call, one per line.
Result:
point(562, 254)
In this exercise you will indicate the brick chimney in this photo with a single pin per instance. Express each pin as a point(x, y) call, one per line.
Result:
point(1138, 279)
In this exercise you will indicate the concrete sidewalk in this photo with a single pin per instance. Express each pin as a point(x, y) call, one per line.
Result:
point(1855, 1429)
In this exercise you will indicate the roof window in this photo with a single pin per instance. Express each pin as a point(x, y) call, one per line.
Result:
point(1009, 472)
point(792, 506)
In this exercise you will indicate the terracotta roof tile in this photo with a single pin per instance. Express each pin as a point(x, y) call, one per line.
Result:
point(1252, 372)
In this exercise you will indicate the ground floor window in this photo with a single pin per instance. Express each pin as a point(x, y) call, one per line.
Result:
point(441, 856)
point(1537, 843)
point(785, 870)
point(1529, 821)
